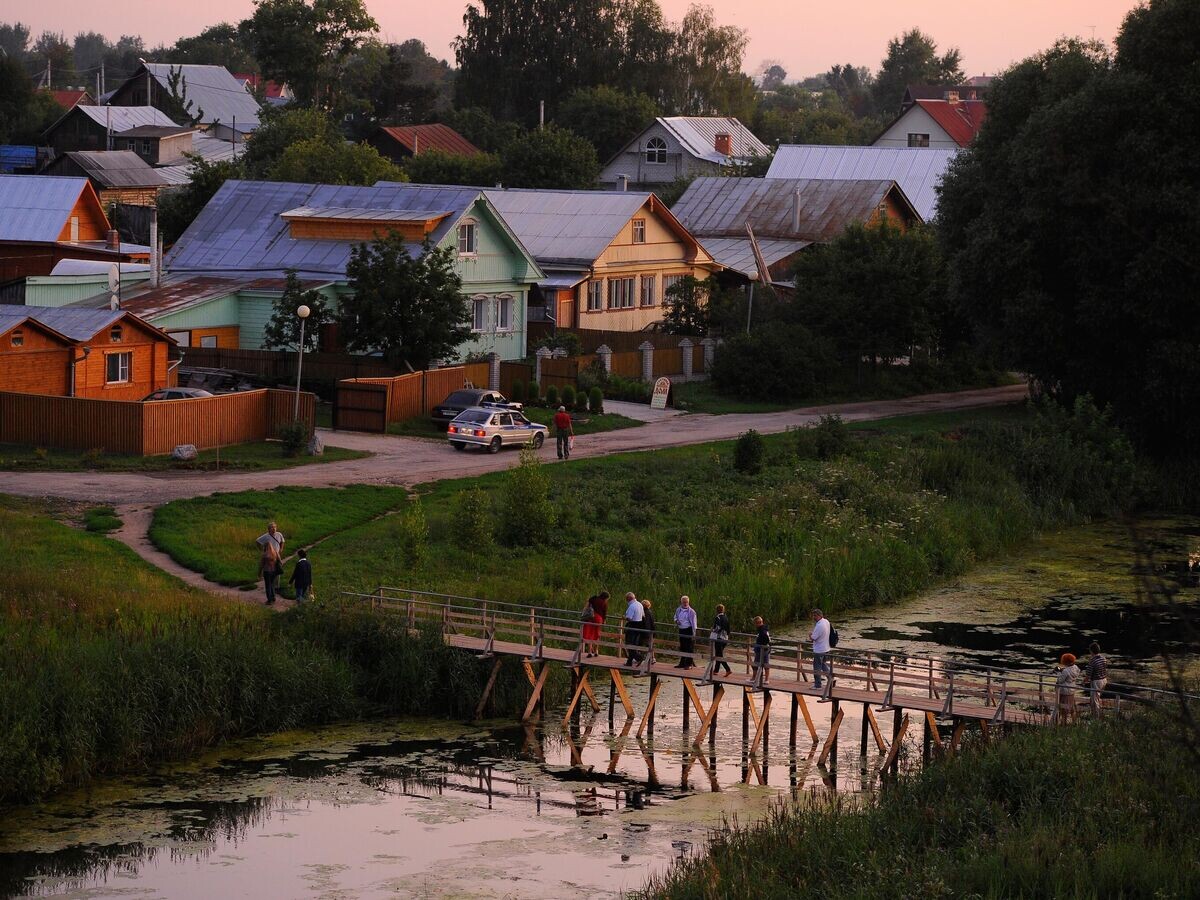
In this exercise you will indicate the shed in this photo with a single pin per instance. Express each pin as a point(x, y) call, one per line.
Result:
point(400, 142)
point(119, 176)
point(157, 145)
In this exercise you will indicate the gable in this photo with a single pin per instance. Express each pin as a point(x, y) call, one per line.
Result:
point(665, 238)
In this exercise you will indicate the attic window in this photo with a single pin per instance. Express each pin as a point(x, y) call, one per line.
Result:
point(467, 239)
point(639, 231)
point(18, 338)
point(656, 151)
point(918, 140)
point(115, 334)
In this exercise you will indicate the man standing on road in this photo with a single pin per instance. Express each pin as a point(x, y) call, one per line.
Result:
point(633, 628)
point(270, 546)
point(820, 646)
point(685, 618)
point(563, 432)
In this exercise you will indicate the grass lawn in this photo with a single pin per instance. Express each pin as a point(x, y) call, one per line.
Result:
point(424, 428)
point(261, 455)
point(943, 422)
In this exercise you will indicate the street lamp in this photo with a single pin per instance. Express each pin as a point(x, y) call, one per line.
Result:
point(302, 312)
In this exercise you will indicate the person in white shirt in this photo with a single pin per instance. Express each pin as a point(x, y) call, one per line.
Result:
point(271, 560)
point(634, 613)
point(685, 618)
point(820, 646)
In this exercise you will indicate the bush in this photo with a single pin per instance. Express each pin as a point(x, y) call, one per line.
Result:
point(567, 341)
point(782, 363)
point(552, 396)
point(473, 526)
point(532, 394)
point(410, 537)
point(630, 389)
point(596, 400)
point(294, 437)
point(518, 391)
point(828, 438)
point(101, 519)
point(526, 511)
point(581, 402)
point(748, 452)
point(592, 375)
point(568, 397)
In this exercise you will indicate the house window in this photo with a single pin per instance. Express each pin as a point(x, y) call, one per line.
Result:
point(479, 317)
point(504, 319)
point(918, 140)
point(656, 151)
point(466, 239)
point(595, 295)
point(648, 290)
point(669, 281)
point(117, 367)
point(115, 334)
point(620, 293)
point(147, 148)
point(18, 338)
point(208, 340)
point(182, 338)
point(639, 231)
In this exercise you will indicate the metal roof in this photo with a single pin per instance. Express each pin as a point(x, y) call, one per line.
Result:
point(11, 316)
point(367, 214)
point(959, 119)
point(156, 131)
point(114, 168)
point(94, 267)
point(918, 170)
point(215, 95)
point(698, 135)
point(720, 207)
point(416, 138)
point(36, 207)
point(241, 231)
point(209, 149)
point(77, 324)
point(123, 118)
point(562, 282)
point(737, 254)
point(566, 227)
point(179, 293)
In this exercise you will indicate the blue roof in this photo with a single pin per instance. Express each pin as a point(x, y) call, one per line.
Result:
point(241, 231)
point(36, 207)
point(77, 324)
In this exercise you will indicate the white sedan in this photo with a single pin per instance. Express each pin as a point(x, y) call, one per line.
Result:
point(494, 429)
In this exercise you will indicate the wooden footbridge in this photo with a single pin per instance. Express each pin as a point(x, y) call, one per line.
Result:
point(944, 695)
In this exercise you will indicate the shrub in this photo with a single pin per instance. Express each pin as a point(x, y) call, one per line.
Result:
point(568, 397)
point(293, 436)
point(91, 459)
point(533, 392)
point(552, 396)
point(411, 535)
point(101, 519)
point(748, 452)
point(518, 391)
point(526, 511)
point(828, 438)
point(592, 375)
point(779, 363)
point(596, 400)
point(473, 526)
point(565, 340)
point(630, 389)
point(581, 402)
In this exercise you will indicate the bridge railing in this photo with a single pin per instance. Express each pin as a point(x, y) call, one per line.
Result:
point(881, 676)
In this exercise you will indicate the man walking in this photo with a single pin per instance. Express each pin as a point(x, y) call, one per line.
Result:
point(270, 546)
point(685, 618)
point(633, 628)
point(820, 646)
point(1097, 676)
point(563, 432)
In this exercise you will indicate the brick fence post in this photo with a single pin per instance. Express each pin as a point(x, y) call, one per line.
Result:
point(710, 353)
point(685, 351)
point(493, 371)
point(605, 354)
point(647, 349)
point(542, 353)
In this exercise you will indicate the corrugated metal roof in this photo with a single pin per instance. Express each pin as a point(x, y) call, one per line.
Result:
point(77, 324)
point(156, 131)
point(70, 98)
point(720, 207)
point(360, 214)
point(918, 170)
point(114, 168)
point(416, 138)
point(562, 282)
point(566, 227)
point(959, 119)
point(123, 118)
point(209, 149)
point(12, 316)
point(178, 293)
point(737, 254)
point(93, 267)
point(36, 207)
point(215, 95)
point(698, 135)
point(240, 230)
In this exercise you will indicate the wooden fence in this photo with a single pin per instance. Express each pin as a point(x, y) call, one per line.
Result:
point(148, 429)
point(628, 364)
point(513, 371)
point(371, 404)
point(281, 364)
point(616, 341)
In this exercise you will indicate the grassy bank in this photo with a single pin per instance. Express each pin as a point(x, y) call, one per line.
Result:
point(1101, 810)
point(258, 456)
point(884, 514)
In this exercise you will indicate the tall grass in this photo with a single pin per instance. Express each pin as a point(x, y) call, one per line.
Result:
point(1105, 809)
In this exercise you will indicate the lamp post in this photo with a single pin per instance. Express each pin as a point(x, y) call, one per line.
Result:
point(302, 312)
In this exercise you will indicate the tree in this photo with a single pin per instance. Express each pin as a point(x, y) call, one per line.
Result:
point(707, 61)
point(771, 73)
point(912, 58)
point(223, 44)
point(410, 308)
point(687, 306)
point(378, 85)
point(280, 129)
point(319, 162)
point(481, 128)
point(791, 115)
point(178, 107)
point(282, 331)
point(550, 157)
point(306, 45)
point(440, 167)
point(1072, 226)
point(89, 49)
point(51, 49)
point(606, 117)
point(16, 97)
point(853, 85)
point(14, 40)
point(179, 207)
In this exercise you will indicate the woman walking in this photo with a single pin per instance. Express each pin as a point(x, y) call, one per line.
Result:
point(1068, 678)
point(718, 638)
point(762, 651)
point(600, 610)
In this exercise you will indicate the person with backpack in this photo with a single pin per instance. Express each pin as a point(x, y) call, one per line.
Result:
point(301, 576)
point(823, 638)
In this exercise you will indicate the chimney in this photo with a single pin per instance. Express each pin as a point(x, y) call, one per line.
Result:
point(723, 143)
point(795, 212)
point(951, 96)
point(623, 180)
point(113, 241)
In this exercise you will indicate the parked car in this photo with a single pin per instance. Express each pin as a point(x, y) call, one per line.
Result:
point(468, 398)
point(177, 393)
point(494, 428)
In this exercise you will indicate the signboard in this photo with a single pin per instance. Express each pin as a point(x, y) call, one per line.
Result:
point(662, 387)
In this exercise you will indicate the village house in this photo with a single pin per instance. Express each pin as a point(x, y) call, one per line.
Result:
point(47, 219)
point(609, 257)
point(681, 146)
point(71, 97)
point(95, 127)
point(951, 123)
point(96, 353)
point(119, 176)
point(786, 214)
point(157, 145)
point(401, 142)
point(917, 171)
point(272, 92)
point(217, 102)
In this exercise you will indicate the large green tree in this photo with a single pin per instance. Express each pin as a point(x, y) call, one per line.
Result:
point(606, 117)
point(409, 307)
point(440, 167)
point(282, 331)
point(14, 40)
point(16, 97)
point(222, 44)
point(913, 58)
point(315, 161)
point(52, 50)
point(1072, 226)
point(549, 157)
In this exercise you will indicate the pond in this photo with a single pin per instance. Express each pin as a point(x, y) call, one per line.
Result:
point(431, 809)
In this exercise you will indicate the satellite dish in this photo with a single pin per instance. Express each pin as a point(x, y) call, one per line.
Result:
point(114, 277)
point(114, 303)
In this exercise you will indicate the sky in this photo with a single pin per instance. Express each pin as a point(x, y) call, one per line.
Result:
point(806, 37)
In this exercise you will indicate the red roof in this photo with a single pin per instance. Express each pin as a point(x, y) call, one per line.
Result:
point(271, 90)
point(68, 99)
point(961, 120)
point(415, 138)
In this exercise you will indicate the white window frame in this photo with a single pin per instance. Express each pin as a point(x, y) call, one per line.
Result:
point(922, 140)
point(595, 295)
point(621, 292)
point(656, 151)
point(468, 238)
point(208, 340)
point(504, 313)
point(669, 281)
point(649, 283)
point(639, 231)
point(479, 316)
point(124, 367)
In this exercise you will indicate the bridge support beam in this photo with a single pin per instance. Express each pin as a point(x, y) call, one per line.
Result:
point(535, 698)
point(892, 760)
point(648, 715)
point(831, 741)
point(487, 688)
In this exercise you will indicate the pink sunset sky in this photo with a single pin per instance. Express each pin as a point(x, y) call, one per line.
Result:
point(806, 37)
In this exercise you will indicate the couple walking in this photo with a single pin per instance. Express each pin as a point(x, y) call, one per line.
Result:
point(1069, 675)
point(270, 566)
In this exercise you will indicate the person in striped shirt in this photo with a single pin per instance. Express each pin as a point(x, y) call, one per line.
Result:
point(1097, 676)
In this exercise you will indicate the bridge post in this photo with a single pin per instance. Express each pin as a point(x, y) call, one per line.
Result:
point(687, 713)
point(653, 696)
point(926, 738)
point(862, 746)
point(837, 721)
point(712, 728)
point(897, 715)
point(612, 698)
point(745, 715)
point(794, 720)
